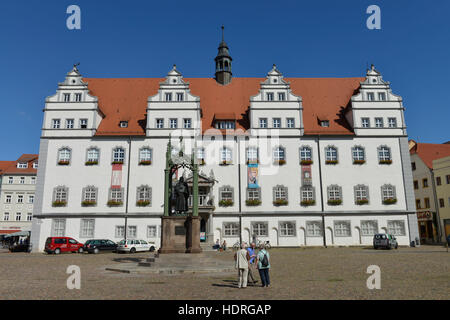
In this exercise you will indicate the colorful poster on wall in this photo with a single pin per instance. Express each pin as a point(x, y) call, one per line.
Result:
point(306, 175)
point(253, 175)
point(116, 176)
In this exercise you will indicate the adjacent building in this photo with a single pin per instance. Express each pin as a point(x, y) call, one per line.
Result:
point(431, 173)
point(297, 161)
point(17, 193)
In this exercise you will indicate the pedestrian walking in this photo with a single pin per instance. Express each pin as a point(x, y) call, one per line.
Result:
point(242, 258)
point(263, 261)
point(252, 252)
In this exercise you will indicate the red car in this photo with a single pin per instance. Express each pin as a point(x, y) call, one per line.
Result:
point(57, 245)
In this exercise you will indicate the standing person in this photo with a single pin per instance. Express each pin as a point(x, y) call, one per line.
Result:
point(263, 261)
point(252, 252)
point(242, 257)
point(224, 245)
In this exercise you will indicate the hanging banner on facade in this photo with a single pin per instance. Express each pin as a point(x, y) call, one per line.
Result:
point(306, 175)
point(116, 176)
point(253, 175)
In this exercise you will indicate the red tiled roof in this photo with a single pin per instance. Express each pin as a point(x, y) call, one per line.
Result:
point(4, 165)
point(430, 151)
point(126, 99)
point(9, 231)
point(11, 166)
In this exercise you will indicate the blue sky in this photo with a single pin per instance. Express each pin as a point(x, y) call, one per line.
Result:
point(143, 38)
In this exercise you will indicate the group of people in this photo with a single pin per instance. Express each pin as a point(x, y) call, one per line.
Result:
point(217, 246)
point(247, 260)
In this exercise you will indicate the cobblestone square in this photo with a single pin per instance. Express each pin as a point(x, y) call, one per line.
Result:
point(297, 273)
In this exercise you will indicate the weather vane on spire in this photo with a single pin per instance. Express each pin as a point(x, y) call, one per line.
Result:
point(222, 32)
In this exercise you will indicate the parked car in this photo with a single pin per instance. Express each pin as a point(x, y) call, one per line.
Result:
point(57, 245)
point(384, 240)
point(134, 245)
point(99, 245)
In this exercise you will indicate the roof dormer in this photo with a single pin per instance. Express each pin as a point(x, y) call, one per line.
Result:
point(74, 78)
point(274, 76)
point(373, 77)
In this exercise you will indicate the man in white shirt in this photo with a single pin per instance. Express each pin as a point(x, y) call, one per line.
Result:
point(242, 258)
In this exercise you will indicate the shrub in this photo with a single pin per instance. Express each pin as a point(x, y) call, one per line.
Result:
point(225, 203)
point(253, 202)
point(280, 202)
point(88, 203)
point(91, 162)
point(306, 203)
point(387, 161)
point(390, 201)
point(59, 203)
point(362, 201)
point(335, 202)
point(114, 203)
point(142, 203)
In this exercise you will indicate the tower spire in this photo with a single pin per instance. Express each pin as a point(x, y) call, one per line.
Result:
point(223, 62)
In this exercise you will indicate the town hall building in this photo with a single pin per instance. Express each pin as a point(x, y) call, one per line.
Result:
point(296, 161)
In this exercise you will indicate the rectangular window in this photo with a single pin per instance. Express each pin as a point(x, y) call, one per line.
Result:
point(90, 194)
point(173, 123)
point(270, 96)
point(325, 123)
point(29, 216)
point(381, 96)
point(123, 124)
point(226, 194)
point(58, 227)
point(276, 122)
point(56, 123)
point(307, 193)
point(280, 193)
point(159, 123)
point(253, 194)
point(18, 216)
point(116, 194)
point(260, 229)
point(416, 184)
point(313, 228)
point(427, 202)
point(342, 229)
point(87, 228)
point(225, 155)
point(78, 97)
point(290, 122)
point(263, 123)
point(369, 227)
point(132, 232)
point(281, 96)
point(168, 96)
point(287, 229)
point(35, 164)
point(418, 205)
point(22, 180)
point(425, 183)
point(441, 203)
point(120, 232)
point(413, 166)
point(6, 216)
point(22, 165)
point(66, 97)
point(31, 198)
point(378, 122)
point(365, 122)
point(10, 180)
point(8, 198)
point(152, 231)
point(187, 123)
point(83, 123)
point(392, 122)
point(230, 229)
point(20, 198)
point(447, 178)
point(180, 96)
point(396, 227)
point(370, 96)
point(438, 181)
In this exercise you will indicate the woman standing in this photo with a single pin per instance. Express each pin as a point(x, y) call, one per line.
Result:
point(263, 261)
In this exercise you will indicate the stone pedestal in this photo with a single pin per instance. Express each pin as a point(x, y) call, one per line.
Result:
point(180, 234)
point(193, 235)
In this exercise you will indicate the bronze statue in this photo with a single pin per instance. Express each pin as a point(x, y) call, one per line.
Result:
point(181, 191)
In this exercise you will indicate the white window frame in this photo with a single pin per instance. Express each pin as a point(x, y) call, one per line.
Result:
point(87, 228)
point(118, 154)
point(369, 227)
point(276, 123)
point(287, 229)
point(392, 122)
point(70, 123)
point(314, 228)
point(379, 123)
point(152, 231)
point(230, 229)
point(260, 228)
point(290, 123)
point(365, 122)
point(56, 123)
point(263, 123)
point(342, 228)
point(396, 227)
point(159, 123)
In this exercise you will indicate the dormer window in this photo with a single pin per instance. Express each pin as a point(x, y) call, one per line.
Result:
point(324, 123)
point(123, 124)
point(168, 96)
point(35, 164)
point(22, 165)
point(225, 125)
point(66, 97)
point(180, 96)
point(270, 96)
point(370, 96)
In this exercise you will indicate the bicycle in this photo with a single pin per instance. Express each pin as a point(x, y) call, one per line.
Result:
point(265, 243)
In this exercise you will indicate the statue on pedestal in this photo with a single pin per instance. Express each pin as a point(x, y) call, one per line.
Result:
point(181, 195)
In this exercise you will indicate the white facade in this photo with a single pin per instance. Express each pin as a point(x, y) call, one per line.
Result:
point(279, 217)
